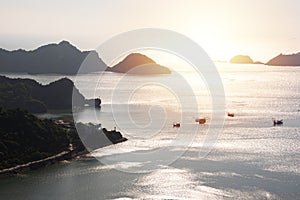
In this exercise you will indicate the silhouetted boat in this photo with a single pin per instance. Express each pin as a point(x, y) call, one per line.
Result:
point(230, 114)
point(176, 124)
point(200, 120)
point(277, 122)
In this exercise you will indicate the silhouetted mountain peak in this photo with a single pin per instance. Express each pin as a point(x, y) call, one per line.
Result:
point(64, 42)
point(63, 82)
point(67, 45)
point(63, 46)
point(138, 59)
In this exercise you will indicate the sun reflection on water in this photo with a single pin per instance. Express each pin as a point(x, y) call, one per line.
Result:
point(174, 183)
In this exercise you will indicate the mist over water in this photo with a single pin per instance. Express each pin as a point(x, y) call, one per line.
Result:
point(252, 159)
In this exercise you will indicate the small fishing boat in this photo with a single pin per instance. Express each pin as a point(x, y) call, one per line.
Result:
point(200, 120)
point(176, 124)
point(277, 122)
point(230, 114)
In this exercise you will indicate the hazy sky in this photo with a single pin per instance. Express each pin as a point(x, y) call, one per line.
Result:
point(261, 29)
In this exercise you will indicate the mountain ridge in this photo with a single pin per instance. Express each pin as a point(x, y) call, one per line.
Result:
point(61, 58)
point(65, 58)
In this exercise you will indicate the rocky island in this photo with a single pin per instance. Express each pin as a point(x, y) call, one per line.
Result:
point(285, 60)
point(137, 63)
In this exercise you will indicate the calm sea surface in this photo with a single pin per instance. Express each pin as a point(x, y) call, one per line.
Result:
point(251, 158)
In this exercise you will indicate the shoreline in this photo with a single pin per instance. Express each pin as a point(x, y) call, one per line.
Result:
point(64, 155)
point(68, 154)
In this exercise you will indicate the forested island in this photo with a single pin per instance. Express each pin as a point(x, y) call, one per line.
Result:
point(30, 95)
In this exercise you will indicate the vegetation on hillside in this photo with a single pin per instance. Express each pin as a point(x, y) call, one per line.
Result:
point(29, 95)
point(25, 138)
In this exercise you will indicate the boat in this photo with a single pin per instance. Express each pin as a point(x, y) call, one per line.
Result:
point(230, 114)
point(200, 120)
point(277, 122)
point(176, 124)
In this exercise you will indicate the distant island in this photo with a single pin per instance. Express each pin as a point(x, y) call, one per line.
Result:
point(285, 60)
point(241, 59)
point(280, 60)
point(62, 58)
point(36, 98)
point(136, 63)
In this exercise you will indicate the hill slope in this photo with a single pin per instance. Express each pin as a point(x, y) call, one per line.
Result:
point(25, 138)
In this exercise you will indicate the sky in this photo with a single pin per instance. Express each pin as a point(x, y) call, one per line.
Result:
point(223, 28)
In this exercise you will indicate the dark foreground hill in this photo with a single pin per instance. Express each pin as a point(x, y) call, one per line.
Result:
point(29, 95)
point(62, 58)
point(285, 60)
point(25, 139)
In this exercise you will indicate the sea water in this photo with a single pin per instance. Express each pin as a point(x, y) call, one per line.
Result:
point(250, 159)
